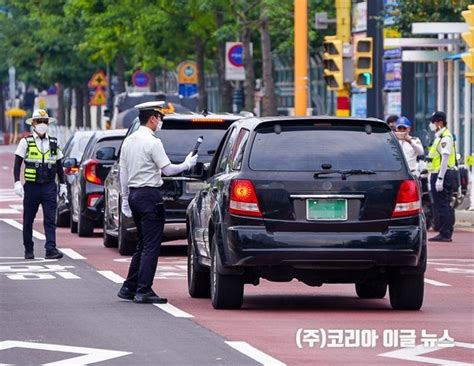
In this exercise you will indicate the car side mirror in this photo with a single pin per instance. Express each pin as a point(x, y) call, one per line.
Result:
point(70, 163)
point(105, 153)
point(198, 172)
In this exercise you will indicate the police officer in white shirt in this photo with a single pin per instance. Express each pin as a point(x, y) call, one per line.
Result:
point(43, 162)
point(412, 146)
point(142, 161)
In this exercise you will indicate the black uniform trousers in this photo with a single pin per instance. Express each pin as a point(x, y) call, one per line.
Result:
point(442, 203)
point(148, 213)
point(44, 194)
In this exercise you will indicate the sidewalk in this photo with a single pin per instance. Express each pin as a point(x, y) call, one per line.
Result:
point(464, 218)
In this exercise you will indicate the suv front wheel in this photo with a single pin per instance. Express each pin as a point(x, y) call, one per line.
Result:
point(227, 291)
point(198, 277)
point(406, 291)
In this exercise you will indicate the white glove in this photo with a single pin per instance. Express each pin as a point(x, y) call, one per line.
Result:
point(19, 189)
point(125, 207)
point(439, 185)
point(191, 160)
point(63, 191)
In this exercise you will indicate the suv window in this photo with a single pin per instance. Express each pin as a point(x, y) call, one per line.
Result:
point(114, 143)
point(222, 164)
point(237, 152)
point(307, 147)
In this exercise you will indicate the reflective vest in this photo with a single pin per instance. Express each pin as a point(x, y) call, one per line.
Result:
point(434, 156)
point(40, 167)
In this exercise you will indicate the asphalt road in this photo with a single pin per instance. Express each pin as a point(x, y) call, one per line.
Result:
point(279, 323)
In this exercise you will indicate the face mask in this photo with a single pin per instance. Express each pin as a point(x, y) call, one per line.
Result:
point(41, 128)
point(401, 135)
point(158, 127)
point(432, 127)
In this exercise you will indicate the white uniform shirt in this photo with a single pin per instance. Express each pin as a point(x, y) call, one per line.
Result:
point(41, 143)
point(411, 151)
point(143, 156)
point(446, 144)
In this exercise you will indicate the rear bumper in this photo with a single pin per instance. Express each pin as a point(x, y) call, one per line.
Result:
point(255, 247)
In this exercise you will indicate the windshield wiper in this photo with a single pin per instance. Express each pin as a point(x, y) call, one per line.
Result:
point(344, 173)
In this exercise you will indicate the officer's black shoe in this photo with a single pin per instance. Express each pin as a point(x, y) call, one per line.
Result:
point(29, 254)
point(440, 238)
point(149, 298)
point(126, 294)
point(53, 254)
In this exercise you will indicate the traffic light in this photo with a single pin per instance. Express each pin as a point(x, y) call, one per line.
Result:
point(333, 63)
point(468, 37)
point(363, 73)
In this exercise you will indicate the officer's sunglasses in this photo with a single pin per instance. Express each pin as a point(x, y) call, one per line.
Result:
point(42, 120)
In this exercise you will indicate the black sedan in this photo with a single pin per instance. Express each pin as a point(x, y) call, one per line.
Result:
point(179, 135)
point(317, 199)
point(87, 189)
point(74, 148)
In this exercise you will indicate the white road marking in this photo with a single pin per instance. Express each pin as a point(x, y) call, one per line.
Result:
point(17, 207)
point(5, 167)
point(415, 354)
point(68, 275)
point(90, 355)
point(8, 211)
point(71, 253)
point(254, 353)
point(173, 310)
point(19, 226)
point(435, 283)
point(112, 276)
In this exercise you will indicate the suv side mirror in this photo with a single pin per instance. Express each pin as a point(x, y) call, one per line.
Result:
point(105, 153)
point(199, 171)
point(70, 163)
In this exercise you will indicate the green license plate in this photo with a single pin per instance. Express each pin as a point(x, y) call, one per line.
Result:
point(323, 209)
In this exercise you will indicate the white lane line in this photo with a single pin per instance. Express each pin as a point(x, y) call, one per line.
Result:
point(435, 283)
point(8, 211)
point(68, 275)
point(19, 226)
point(114, 277)
point(71, 253)
point(255, 354)
point(173, 310)
point(17, 207)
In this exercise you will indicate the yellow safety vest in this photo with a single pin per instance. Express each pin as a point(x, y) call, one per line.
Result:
point(434, 164)
point(40, 167)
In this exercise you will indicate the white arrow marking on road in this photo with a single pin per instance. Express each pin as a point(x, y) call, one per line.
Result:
point(19, 226)
point(71, 253)
point(435, 283)
point(415, 354)
point(254, 353)
point(90, 355)
point(114, 277)
point(173, 310)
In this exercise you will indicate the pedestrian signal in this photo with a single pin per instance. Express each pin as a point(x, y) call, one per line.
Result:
point(364, 63)
point(333, 63)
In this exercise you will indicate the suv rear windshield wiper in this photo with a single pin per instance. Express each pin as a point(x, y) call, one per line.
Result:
point(344, 173)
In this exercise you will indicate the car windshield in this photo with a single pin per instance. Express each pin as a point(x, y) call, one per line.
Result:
point(307, 147)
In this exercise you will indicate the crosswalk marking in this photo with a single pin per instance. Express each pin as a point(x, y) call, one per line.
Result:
point(19, 226)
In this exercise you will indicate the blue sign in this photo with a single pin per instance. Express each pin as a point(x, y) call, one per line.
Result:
point(359, 105)
point(187, 90)
point(140, 79)
point(236, 55)
point(392, 75)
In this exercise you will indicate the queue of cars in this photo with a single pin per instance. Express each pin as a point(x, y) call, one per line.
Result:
point(317, 199)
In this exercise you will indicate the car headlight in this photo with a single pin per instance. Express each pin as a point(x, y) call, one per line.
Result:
point(193, 187)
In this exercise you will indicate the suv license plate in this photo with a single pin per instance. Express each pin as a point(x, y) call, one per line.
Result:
point(326, 210)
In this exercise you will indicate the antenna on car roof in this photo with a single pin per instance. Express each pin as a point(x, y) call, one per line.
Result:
point(204, 112)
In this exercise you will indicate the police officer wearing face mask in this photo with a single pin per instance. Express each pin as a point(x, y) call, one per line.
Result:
point(142, 162)
point(442, 160)
point(42, 157)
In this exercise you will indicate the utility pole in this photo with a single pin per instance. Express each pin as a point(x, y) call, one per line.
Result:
point(343, 22)
point(374, 30)
point(301, 57)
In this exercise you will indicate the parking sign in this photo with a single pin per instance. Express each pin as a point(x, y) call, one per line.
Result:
point(234, 61)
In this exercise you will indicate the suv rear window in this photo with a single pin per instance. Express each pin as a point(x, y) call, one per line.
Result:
point(306, 147)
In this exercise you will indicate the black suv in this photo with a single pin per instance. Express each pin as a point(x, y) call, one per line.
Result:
point(87, 189)
point(319, 199)
point(179, 134)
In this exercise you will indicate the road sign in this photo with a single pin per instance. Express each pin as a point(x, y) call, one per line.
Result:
point(98, 80)
point(98, 98)
point(140, 79)
point(187, 90)
point(187, 73)
point(234, 61)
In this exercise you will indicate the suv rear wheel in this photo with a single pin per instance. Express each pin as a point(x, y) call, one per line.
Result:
point(198, 276)
point(85, 226)
point(227, 291)
point(109, 240)
point(73, 225)
point(406, 291)
point(372, 289)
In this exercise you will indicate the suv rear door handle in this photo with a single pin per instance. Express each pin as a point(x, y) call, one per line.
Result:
point(215, 190)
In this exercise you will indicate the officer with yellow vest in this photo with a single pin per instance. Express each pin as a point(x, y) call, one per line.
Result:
point(442, 160)
point(42, 157)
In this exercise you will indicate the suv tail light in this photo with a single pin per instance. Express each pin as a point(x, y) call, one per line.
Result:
point(243, 199)
point(408, 200)
point(90, 172)
point(71, 170)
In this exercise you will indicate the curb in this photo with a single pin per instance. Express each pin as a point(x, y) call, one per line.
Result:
point(464, 218)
